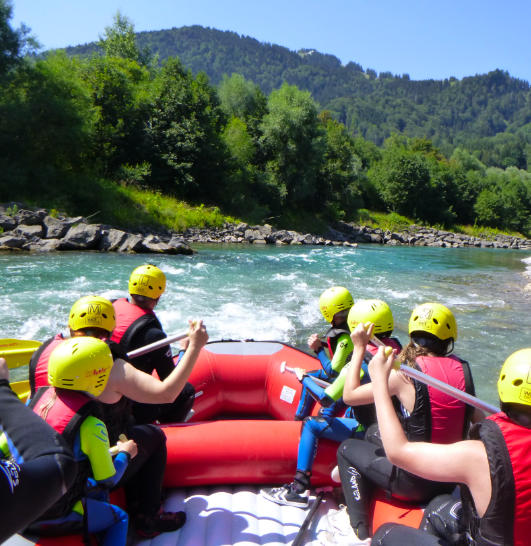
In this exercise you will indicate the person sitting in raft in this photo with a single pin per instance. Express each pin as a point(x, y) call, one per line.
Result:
point(334, 304)
point(493, 467)
point(138, 326)
point(352, 425)
point(94, 316)
point(78, 372)
point(427, 414)
point(36, 464)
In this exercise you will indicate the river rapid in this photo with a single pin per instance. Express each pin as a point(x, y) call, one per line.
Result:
point(271, 293)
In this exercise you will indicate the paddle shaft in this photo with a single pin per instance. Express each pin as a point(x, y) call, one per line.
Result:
point(320, 382)
point(298, 541)
point(156, 345)
point(441, 385)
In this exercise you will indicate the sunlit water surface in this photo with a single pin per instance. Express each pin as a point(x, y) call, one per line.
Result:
point(271, 293)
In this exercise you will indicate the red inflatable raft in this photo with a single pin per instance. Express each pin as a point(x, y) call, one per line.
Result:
point(243, 432)
point(243, 429)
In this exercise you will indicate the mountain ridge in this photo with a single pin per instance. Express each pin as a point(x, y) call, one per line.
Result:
point(374, 105)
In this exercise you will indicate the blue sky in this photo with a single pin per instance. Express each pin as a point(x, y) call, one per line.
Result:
point(422, 38)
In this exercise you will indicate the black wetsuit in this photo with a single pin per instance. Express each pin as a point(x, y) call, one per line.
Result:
point(40, 471)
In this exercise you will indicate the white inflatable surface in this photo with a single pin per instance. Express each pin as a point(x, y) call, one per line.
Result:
point(239, 515)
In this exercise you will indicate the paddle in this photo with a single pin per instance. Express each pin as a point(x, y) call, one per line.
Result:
point(156, 345)
point(437, 384)
point(321, 382)
point(17, 352)
point(299, 539)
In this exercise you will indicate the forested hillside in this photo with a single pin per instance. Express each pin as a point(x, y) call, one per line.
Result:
point(450, 112)
point(107, 133)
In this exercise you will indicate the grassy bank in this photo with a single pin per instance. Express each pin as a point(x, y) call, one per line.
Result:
point(131, 208)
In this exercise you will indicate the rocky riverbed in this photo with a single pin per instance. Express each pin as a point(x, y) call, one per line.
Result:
point(38, 231)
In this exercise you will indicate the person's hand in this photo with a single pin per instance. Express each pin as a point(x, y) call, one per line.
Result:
point(129, 446)
point(314, 342)
point(362, 334)
point(183, 344)
point(299, 373)
point(381, 365)
point(4, 370)
point(197, 334)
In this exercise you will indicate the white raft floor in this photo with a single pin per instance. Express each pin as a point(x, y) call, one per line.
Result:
point(239, 515)
point(236, 515)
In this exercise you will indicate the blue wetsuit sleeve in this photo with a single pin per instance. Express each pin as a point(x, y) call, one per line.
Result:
point(326, 363)
point(317, 392)
point(121, 461)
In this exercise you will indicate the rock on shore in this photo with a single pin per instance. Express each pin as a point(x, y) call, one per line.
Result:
point(38, 231)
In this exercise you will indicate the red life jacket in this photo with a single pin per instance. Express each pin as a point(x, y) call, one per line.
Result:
point(130, 319)
point(436, 416)
point(447, 413)
point(38, 366)
point(506, 521)
point(389, 341)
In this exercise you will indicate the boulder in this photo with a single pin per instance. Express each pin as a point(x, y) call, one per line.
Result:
point(29, 231)
point(30, 217)
point(81, 237)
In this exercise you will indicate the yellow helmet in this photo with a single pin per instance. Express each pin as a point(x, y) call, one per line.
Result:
point(375, 311)
point(514, 384)
point(80, 364)
point(92, 312)
point(147, 280)
point(333, 300)
point(435, 319)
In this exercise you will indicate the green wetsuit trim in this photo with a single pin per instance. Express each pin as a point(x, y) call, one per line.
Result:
point(335, 390)
point(344, 348)
point(94, 443)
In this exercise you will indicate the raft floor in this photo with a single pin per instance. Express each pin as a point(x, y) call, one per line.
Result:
point(239, 515)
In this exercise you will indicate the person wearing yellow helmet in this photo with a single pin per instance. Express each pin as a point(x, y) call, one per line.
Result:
point(36, 464)
point(334, 304)
point(342, 422)
point(137, 326)
point(493, 467)
point(91, 316)
point(94, 316)
point(427, 414)
point(78, 372)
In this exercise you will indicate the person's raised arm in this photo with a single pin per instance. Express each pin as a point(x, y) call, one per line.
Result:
point(355, 394)
point(463, 462)
point(136, 385)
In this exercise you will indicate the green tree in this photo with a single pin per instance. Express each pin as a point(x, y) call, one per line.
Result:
point(505, 201)
point(340, 178)
point(120, 91)
point(119, 40)
point(183, 132)
point(46, 127)
point(293, 145)
point(241, 98)
point(14, 43)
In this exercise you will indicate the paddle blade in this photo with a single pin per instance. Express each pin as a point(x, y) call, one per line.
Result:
point(17, 352)
point(21, 389)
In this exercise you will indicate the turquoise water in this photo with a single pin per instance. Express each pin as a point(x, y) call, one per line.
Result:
point(270, 293)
